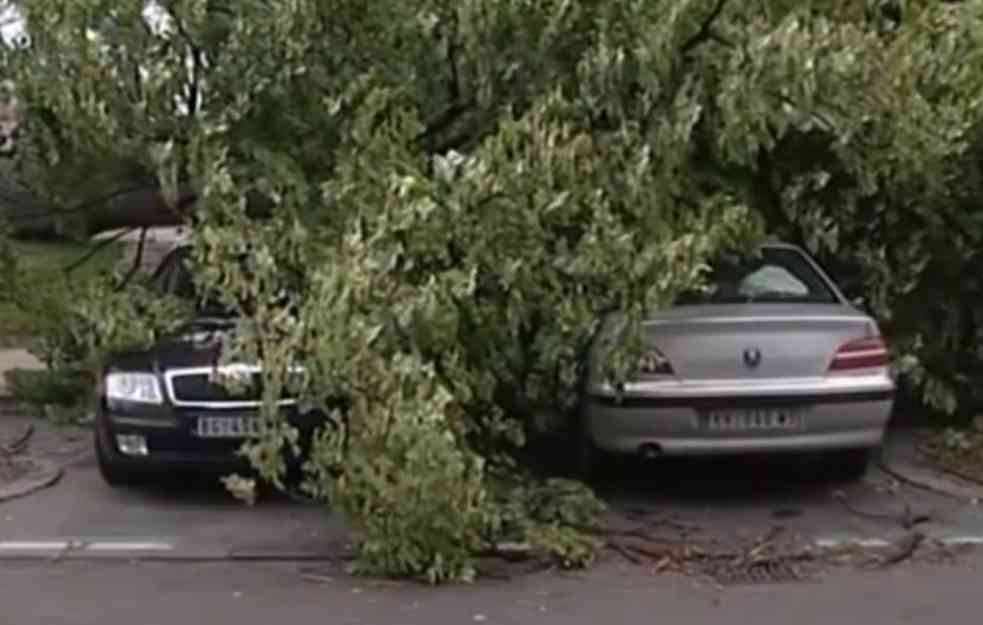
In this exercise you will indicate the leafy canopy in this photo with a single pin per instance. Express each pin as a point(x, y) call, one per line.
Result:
point(455, 191)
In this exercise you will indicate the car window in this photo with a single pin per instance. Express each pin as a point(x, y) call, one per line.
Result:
point(162, 276)
point(772, 278)
point(175, 277)
point(774, 275)
point(182, 281)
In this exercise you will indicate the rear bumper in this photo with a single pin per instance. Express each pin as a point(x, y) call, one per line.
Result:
point(835, 419)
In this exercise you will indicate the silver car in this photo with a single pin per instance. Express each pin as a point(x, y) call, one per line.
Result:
point(772, 358)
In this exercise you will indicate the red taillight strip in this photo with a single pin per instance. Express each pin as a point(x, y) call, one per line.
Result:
point(861, 353)
point(865, 353)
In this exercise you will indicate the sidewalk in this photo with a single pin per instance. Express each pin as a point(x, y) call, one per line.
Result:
point(901, 459)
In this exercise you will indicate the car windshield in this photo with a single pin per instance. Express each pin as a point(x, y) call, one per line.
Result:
point(773, 275)
point(183, 286)
point(180, 283)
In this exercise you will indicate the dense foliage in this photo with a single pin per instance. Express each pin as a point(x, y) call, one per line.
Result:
point(452, 192)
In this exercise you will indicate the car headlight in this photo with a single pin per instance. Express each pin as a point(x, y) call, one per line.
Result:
point(143, 388)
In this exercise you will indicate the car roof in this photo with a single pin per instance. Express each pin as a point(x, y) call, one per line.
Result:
point(772, 242)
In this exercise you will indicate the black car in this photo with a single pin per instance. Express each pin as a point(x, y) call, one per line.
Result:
point(161, 410)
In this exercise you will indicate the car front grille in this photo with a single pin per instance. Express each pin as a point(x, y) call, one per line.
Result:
point(198, 387)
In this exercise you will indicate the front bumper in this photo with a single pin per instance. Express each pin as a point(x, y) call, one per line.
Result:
point(172, 443)
point(841, 415)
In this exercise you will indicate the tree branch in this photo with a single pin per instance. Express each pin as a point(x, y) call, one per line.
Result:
point(818, 116)
point(194, 86)
point(705, 32)
point(137, 261)
point(184, 201)
point(96, 249)
point(137, 82)
point(458, 106)
point(444, 120)
point(454, 86)
point(88, 203)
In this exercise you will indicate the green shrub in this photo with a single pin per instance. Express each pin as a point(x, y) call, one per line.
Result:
point(62, 387)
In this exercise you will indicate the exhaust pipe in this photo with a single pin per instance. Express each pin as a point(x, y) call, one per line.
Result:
point(650, 451)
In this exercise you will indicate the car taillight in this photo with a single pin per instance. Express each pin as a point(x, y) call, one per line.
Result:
point(866, 353)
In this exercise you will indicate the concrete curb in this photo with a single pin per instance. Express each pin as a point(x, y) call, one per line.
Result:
point(47, 474)
point(939, 484)
point(902, 461)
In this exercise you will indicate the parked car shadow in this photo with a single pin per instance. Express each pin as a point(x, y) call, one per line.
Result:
point(739, 475)
point(207, 490)
point(719, 479)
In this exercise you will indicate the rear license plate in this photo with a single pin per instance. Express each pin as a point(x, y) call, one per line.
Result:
point(229, 427)
point(752, 420)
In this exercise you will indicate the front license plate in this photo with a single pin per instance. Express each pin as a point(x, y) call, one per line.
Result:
point(752, 420)
point(229, 427)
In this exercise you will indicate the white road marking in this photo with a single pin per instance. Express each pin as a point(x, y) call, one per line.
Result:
point(128, 546)
point(867, 543)
point(879, 543)
point(76, 545)
point(34, 545)
point(957, 541)
point(80, 547)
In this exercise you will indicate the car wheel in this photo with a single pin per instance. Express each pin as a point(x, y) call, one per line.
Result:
point(112, 473)
point(849, 465)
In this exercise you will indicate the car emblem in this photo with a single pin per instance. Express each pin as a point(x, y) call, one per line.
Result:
point(752, 357)
point(236, 372)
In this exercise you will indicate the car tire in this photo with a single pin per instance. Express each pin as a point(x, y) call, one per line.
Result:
point(111, 472)
point(849, 465)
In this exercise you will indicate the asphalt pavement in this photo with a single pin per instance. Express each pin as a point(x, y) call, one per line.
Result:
point(122, 593)
point(735, 499)
point(177, 519)
point(185, 552)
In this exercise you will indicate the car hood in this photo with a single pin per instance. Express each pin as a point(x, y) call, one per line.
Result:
point(198, 344)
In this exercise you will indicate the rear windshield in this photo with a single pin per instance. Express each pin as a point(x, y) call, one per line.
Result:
point(773, 275)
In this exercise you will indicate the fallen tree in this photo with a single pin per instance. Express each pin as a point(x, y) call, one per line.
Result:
point(455, 191)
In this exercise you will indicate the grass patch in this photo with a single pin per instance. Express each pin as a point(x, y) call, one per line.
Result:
point(40, 389)
point(44, 263)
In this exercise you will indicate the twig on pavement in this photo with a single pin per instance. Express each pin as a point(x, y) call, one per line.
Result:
point(903, 479)
point(754, 554)
point(905, 549)
point(624, 552)
point(20, 443)
point(907, 519)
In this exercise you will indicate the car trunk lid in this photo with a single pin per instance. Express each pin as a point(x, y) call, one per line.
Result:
point(754, 341)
